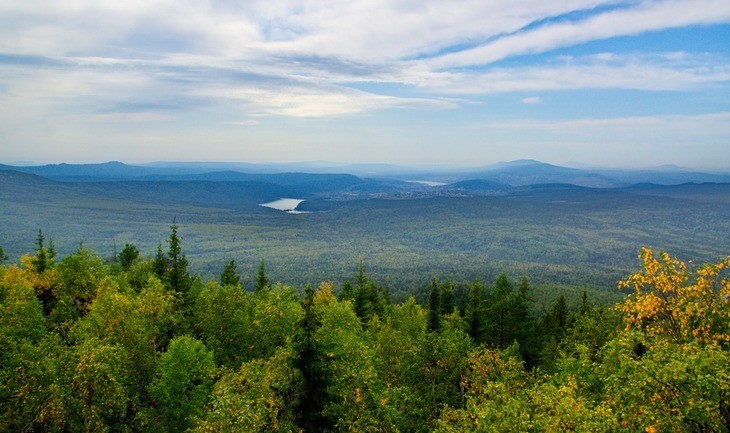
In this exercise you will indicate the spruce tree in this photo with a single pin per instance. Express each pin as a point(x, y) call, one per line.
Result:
point(434, 308)
point(362, 304)
point(159, 265)
point(41, 260)
point(3, 256)
point(584, 306)
point(310, 365)
point(52, 251)
point(475, 311)
point(229, 276)
point(447, 298)
point(346, 292)
point(178, 277)
point(499, 312)
point(128, 255)
point(261, 280)
point(361, 279)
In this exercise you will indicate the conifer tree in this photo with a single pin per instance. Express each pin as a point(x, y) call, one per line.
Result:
point(3, 256)
point(41, 261)
point(309, 364)
point(560, 316)
point(229, 276)
point(128, 255)
point(447, 298)
point(434, 308)
point(363, 305)
point(261, 280)
point(159, 265)
point(475, 311)
point(346, 292)
point(361, 279)
point(52, 251)
point(178, 272)
point(499, 312)
point(584, 306)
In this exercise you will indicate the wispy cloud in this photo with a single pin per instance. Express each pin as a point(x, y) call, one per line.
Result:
point(635, 19)
point(531, 100)
point(603, 71)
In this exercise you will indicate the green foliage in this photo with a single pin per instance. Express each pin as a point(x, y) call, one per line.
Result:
point(258, 397)
point(129, 254)
point(229, 276)
point(238, 326)
point(79, 275)
point(177, 273)
point(140, 323)
point(261, 279)
point(113, 350)
point(99, 388)
point(183, 382)
point(369, 299)
point(32, 395)
point(434, 307)
point(42, 260)
point(3, 256)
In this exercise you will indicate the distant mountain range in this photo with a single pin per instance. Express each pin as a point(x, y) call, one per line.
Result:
point(323, 177)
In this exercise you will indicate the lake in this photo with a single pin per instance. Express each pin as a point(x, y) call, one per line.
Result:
point(427, 182)
point(288, 205)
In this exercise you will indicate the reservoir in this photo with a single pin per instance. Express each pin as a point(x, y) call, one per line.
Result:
point(288, 205)
point(427, 182)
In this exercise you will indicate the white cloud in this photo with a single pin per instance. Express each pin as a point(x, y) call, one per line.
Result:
point(591, 72)
point(531, 100)
point(647, 16)
point(310, 101)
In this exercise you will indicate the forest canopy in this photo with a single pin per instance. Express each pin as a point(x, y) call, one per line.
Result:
point(140, 344)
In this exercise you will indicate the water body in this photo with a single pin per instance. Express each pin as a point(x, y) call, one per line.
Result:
point(427, 182)
point(288, 205)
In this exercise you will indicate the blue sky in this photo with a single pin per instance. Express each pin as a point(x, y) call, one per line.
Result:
point(613, 83)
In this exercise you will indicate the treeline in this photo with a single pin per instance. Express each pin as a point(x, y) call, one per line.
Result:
point(140, 344)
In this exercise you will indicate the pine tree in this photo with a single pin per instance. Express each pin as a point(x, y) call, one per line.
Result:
point(434, 308)
point(229, 276)
point(3, 256)
point(41, 260)
point(261, 280)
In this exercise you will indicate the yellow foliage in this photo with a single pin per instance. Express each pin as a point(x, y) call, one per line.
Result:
point(670, 300)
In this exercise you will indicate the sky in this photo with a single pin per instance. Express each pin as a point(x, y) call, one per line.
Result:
point(624, 83)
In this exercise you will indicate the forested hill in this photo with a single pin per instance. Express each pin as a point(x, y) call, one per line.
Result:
point(565, 237)
point(141, 345)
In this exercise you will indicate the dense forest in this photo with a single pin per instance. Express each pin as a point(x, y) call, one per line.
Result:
point(141, 344)
point(564, 237)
